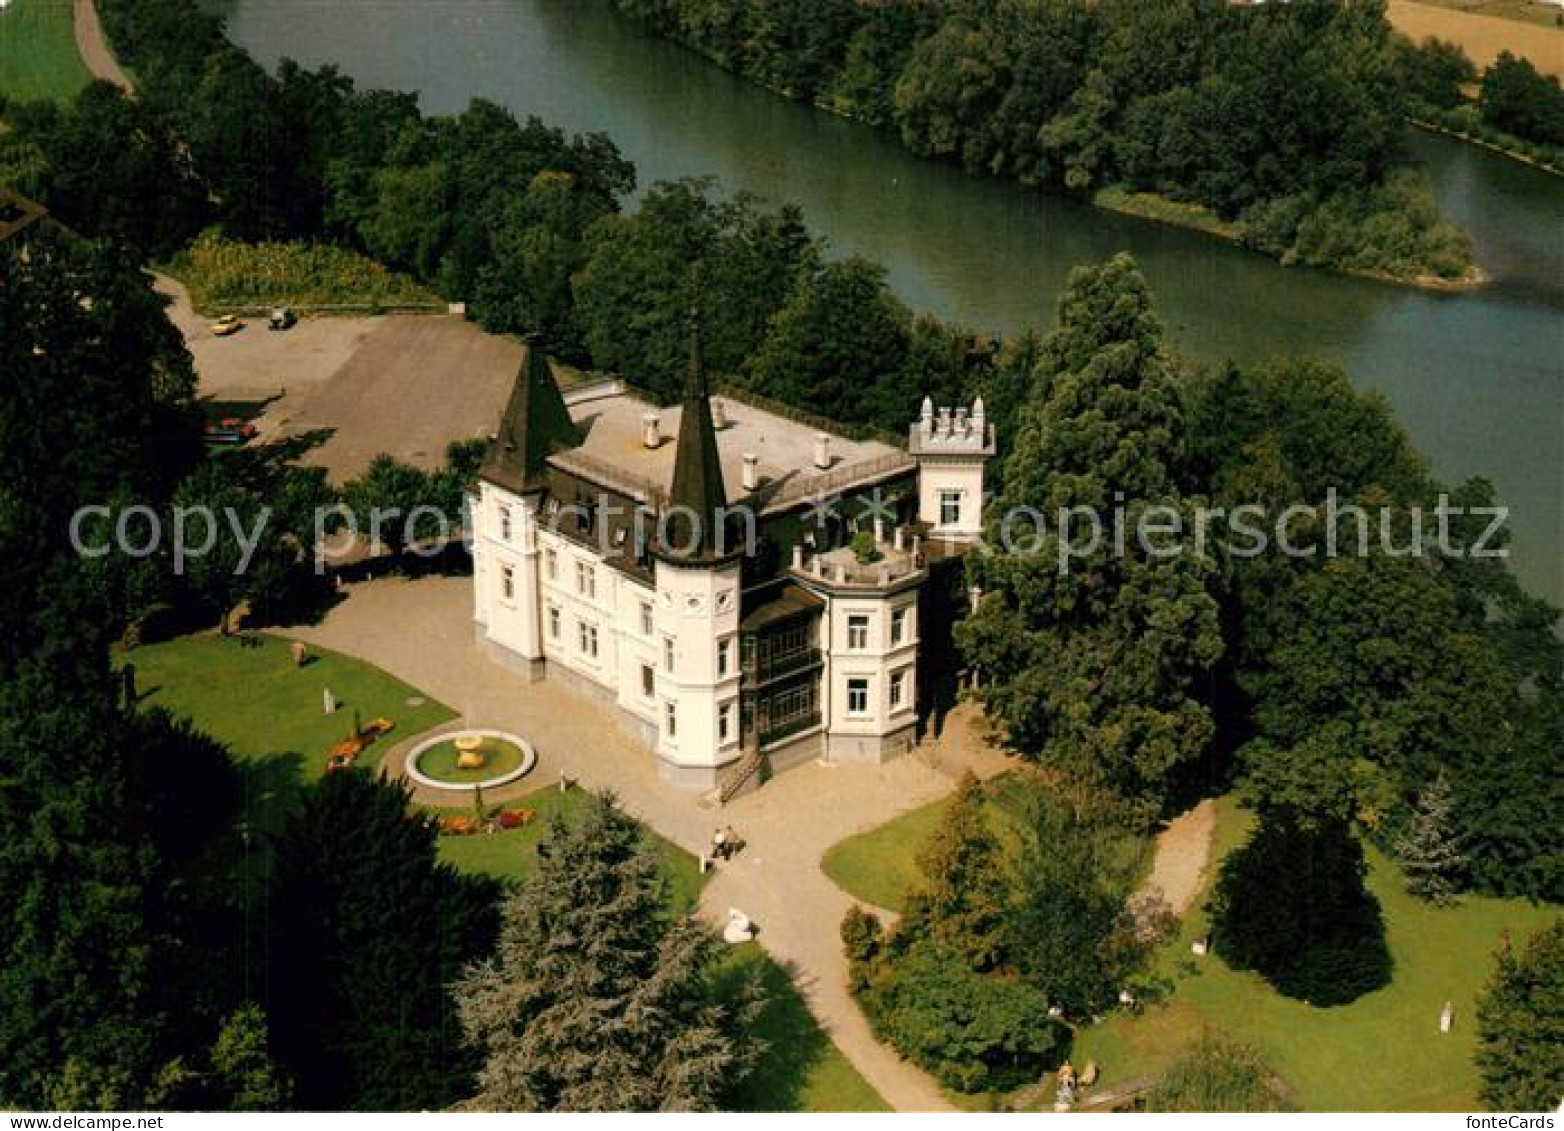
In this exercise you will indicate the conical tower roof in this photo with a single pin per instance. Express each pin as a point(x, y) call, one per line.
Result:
point(536, 424)
point(698, 499)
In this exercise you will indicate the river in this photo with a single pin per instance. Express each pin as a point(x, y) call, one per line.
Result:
point(1476, 378)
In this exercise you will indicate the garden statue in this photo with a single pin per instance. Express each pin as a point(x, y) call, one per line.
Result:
point(328, 701)
point(1447, 1017)
point(740, 928)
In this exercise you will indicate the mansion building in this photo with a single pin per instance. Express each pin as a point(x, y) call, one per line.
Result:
point(742, 590)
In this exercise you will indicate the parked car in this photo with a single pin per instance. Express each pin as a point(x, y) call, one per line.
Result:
point(230, 430)
point(283, 318)
point(226, 325)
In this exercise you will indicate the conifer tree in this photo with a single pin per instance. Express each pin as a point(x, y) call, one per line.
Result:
point(598, 999)
point(1095, 650)
point(961, 900)
point(243, 1073)
point(1520, 1025)
point(1291, 905)
point(367, 931)
point(1428, 850)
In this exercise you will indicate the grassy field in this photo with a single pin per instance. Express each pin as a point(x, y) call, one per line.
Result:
point(38, 57)
point(1383, 1052)
point(1525, 11)
point(248, 693)
point(879, 866)
point(1483, 28)
point(802, 1069)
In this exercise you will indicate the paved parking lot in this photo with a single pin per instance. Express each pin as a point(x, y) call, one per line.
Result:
point(407, 384)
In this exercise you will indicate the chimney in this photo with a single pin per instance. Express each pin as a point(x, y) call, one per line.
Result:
point(719, 414)
point(822, 450)
point(926, 416)
point(651, 430)
point(751, 471)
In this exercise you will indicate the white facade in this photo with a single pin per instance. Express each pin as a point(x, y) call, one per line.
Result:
point(820, 659)
point(952, 446)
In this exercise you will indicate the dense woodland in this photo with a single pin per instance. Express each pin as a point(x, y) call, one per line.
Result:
point(1414, 701)
point(1283, 119)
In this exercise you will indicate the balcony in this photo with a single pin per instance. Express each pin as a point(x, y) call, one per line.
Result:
point(761, 670)
point(840, 568)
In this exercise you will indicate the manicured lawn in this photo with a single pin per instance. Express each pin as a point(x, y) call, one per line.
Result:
point(246, 691)
point(802, 1069)
point(249, 694)
point(1383, 1052)
point(512, 854)
point(879, 866)
point(38, 57)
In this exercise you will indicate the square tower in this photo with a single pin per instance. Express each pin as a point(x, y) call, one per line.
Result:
point(951, 447)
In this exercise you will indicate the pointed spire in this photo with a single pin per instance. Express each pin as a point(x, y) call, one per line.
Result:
point(698, 497)
point(536, 424)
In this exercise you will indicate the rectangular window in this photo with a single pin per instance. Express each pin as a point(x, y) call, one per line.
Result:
point(586, 581)
point(950, 508)
point(858, 696)
point(586, 637)
point(648, 681)
point(667, 653)
point(646, 618)
point(899, 627)
point(858, 631)
point(725, 722)
point(898, 689)
point(553, 622)
point(505, 524)
point(724, 657)
point(551, 564)
point(508, 582)
point(671, 719)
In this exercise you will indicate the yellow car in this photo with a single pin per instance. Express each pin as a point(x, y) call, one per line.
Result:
point(227, 324)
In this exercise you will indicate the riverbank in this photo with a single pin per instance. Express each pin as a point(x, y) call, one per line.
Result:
point(1493, 147)
point(1389, 231)
point(1194, 217)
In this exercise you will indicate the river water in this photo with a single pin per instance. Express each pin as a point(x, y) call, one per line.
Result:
point(1477, 378)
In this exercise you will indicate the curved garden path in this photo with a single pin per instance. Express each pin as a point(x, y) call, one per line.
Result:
point(421, 632)
point(94, 47)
